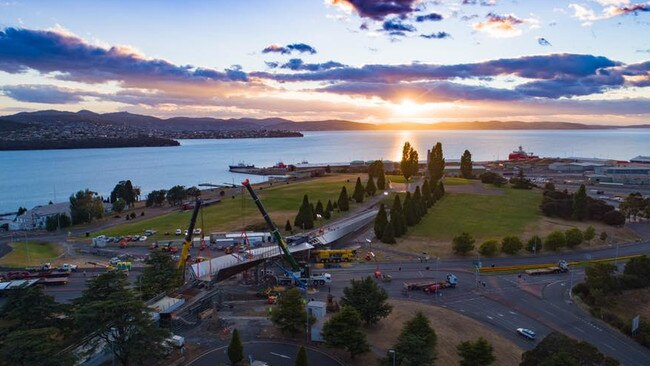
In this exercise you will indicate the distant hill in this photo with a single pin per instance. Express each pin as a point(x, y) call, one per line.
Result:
point(145, 122)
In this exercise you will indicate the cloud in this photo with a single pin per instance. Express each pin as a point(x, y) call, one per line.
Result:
point(467, 18)
point(74, 59)
point(288, 49)
point(482, 2)
point(439, 35)
point(46, 94)
point(627, 9)
point(377, 9)
point(396, 25)
point(433, 17)
point(297, 64)
point(615, 8)
point(543, 41)
point(500, 26)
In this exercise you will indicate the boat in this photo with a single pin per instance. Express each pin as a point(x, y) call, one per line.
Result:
point(241, 165)
point(521, 155)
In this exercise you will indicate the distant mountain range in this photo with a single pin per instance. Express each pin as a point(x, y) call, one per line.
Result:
point(129, 120)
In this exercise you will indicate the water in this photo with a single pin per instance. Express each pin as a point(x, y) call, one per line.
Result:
point(29, 178)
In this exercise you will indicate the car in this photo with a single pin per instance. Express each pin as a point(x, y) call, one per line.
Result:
point(526, 333)
point(143, 238)
point(178, 232)
point(114, 260)
point(149, 232)
point(197, 231)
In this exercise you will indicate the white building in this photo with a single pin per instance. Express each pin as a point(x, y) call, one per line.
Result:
point(641, 159)
point(36, 218)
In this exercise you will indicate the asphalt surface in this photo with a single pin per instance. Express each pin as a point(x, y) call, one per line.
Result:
point(273, 353)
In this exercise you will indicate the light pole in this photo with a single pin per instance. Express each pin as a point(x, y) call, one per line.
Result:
point(616, 258)
point(392, 353)
point(571, 283)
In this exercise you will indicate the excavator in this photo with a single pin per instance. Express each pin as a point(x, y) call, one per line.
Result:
point(299, 276)
point(185, 252)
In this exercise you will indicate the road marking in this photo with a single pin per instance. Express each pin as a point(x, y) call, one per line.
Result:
point(512, 312)
point(420, 272)
point(279, 355)
point(499, 314)
point(489, 317)
point(608, 346)
point(578, 329)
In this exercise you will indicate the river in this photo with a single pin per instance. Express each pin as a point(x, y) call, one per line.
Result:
point(29, 178)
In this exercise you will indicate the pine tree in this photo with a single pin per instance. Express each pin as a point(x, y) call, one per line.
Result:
point(370, 187)
point(381, 181)
point(409, 210)
point(305, 217)
point(397, 217)
point(312, 210)
point(343, 201)
point(381, 221)
point(426, 193)
point(327, 214)
point(580, 204)
point(416, 343)
point(419, 203)
point(436, 165)
point(358, 191)
point(343, 330)
point(388, 234)
point(466, 165)
point(329, 206)
point(289, 313)
point(301, 357)
point(439, 191)
point(287, 227)
point(235, 348)
point(319, 209)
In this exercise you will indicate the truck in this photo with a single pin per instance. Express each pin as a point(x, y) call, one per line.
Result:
point(562, 267)
point(432, 286)
point(313, 280)
point(334, 255)
point(67, 267)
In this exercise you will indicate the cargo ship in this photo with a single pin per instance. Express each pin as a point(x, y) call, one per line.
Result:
point(521, 155)
point(241, 165)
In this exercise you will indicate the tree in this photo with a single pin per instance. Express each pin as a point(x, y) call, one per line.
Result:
point(601, 276)
point(124, 190)
point(31, 308)
point(301, 357)
point(156, 198)
point(479, 353)
point(511, 245)
point(358, 191)
point(343, 330)
point(603, 236)
point(409, 210)
point(409, 164)
point(319, 209)
point(637, 272)
point(466, 165)
point(160, 275)
point(521, 182)
point(21, 210)
point(370, 188)
point(493, 178)
point(573, 237)
point(194, 192)
point(555, 241)
point(375, 169)
point(556, 346)
point(436, 166)
point(388, 234)
point(58, 221)
point(463, 244)
point(416, 343)
point(381, 220)
point(176, 194)
point(329, 207)
point(235, 348)
point(489, 248)
point(397, 218)
point(305, 217)
point(287, 227)
point(439, 191)
point(119, 205)
point(420, 205)
point(289, 313)
point(368, 299)
point(343, 201)
point(35, 347)
point(534, 244)
point(381, 181)
point(117, 316)
point(614, 218)
point(426, 193)
point(580, 204)
point(589, 233)
point(85, 206)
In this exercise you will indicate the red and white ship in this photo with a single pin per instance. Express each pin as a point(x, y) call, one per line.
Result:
point(521, 155)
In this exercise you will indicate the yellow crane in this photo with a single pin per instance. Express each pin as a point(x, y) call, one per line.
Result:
point(188, 240)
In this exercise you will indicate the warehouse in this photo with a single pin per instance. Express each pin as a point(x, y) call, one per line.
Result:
point(633, 175)
point(575, 167)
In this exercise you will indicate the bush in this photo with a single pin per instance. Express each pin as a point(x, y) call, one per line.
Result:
point(573, 237)
point(555, 241)
point(534, 244)
point(614, 218)
point(589, 233)
point(489, 248)
point(511, 245)
point(463, 244)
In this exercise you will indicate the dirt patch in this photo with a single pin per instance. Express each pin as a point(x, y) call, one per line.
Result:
point(451, 329)
point(632, 303)
point(474, 188)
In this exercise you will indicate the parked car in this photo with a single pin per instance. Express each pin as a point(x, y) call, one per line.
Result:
point(526, 333)
point(197, 231)
point(68, 267)
point(178, 232)
point(149, 232)
point(114, 260)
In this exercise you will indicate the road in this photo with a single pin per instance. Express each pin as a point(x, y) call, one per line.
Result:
point(274, 353)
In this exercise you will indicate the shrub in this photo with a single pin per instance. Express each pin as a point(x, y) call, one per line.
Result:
point(511, 245)
point(555, 240)
point(573, 237)
point(534, 244)
point(614, 218)
point(463, 244)
point(489, 248)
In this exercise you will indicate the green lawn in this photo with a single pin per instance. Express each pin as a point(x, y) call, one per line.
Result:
point(30, 253)
point(452, 181)
point(396, 178)
point(481, 216)
point(282, 201)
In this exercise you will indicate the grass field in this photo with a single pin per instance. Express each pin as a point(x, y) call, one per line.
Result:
point(451, 181)
point(396, 178)
point(482, 216)
point(30, 253)
point(281, 200)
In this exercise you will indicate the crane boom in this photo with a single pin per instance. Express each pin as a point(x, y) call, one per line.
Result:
point(188, 239)
point(274, 229)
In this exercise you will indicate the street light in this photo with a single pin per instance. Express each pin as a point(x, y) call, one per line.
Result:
point(392, 353)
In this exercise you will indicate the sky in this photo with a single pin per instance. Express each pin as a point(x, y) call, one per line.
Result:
point(381, 61)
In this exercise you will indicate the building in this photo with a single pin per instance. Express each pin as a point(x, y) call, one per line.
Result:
point(36, 218)
point(633, 175)
point(574, 167)
point(641, 159)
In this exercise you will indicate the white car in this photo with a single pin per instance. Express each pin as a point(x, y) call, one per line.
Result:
point(143, 238)
point(114, 260)
point(196, 232)
point(178, 232)
point(527, 333)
